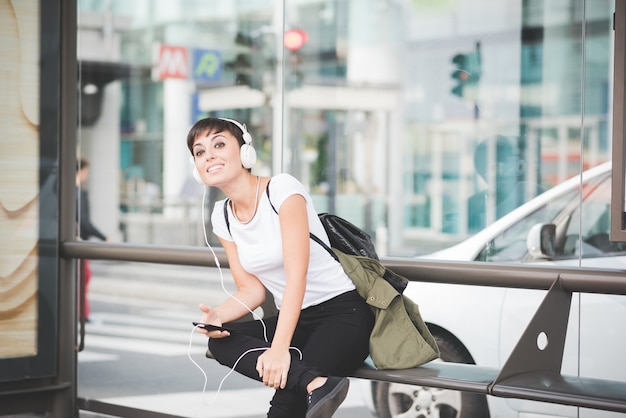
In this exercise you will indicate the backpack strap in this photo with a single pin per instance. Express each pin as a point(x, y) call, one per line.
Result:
point(323, 244)
point(226, 215)
point(313, 236)
point(267, 192)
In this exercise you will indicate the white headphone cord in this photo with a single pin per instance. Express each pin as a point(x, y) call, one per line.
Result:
point(219, 269)
point(219, 387)
point(256, 316)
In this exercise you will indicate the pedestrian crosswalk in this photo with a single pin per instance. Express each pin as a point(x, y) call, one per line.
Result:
point(232, 403)
point(228, 403)
point(159, 332)
point(165, 332)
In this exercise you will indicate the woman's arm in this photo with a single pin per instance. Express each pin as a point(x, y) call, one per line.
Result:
point(274, 364)
point(295, 235)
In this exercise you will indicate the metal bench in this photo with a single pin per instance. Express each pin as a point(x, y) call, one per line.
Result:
point(530, 372)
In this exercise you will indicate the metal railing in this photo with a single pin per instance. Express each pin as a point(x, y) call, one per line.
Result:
point(529, 373)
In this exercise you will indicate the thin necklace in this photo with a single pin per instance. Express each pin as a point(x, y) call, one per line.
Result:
point(256, 200)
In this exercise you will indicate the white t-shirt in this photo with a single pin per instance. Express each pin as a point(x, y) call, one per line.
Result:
point(259, 245)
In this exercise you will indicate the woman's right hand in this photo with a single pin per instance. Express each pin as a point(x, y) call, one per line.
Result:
point(210, 316)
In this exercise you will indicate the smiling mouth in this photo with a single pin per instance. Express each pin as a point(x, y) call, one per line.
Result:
point(214, 168)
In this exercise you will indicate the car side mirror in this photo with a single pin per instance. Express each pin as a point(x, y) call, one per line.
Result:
point(541, 241)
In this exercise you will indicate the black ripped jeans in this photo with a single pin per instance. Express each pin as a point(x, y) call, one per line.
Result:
point(332, 336)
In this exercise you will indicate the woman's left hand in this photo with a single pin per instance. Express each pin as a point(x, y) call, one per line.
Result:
point(210, 316)
point(273, 366)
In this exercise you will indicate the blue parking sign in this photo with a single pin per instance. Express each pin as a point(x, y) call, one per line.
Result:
point(207, 65)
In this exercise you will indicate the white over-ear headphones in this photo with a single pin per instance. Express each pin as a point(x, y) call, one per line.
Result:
point(247, 152)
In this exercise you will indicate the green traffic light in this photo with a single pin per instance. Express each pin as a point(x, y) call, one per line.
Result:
point(467, 71)
point(459, 75)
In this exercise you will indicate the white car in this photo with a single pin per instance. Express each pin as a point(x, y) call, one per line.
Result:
point(481, 325)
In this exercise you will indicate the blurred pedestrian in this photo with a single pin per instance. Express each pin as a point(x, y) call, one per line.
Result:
point(86, 230)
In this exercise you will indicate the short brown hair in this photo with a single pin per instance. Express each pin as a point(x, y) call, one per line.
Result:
point(212, 125)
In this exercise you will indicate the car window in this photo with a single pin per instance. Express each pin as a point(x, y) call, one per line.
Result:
point(593, 225)
point(510, 245)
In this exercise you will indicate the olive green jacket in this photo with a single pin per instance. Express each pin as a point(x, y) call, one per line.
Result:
point(400, 338)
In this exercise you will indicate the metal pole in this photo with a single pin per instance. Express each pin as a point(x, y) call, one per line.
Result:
point(63, 402)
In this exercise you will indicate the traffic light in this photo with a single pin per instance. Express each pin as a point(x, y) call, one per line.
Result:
point(244, 64)
point(467, 72)
point(294, 39)
point(459, 75)
point(241, 65)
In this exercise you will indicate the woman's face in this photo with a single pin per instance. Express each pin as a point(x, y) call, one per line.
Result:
point(216, 156)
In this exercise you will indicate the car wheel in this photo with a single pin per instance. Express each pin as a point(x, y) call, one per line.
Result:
point(395, 400)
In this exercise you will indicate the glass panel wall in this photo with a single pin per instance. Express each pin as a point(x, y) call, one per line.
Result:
point(446, 130)
point(463, 120)
point(28, 193)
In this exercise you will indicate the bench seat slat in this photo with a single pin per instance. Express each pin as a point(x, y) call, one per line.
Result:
point(537, 386)
point(570, 390)
point(455, 376)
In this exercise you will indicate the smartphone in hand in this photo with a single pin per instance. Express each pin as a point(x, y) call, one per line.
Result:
point(210, 327)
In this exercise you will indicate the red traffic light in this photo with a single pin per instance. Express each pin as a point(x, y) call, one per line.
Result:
point(295, 38)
